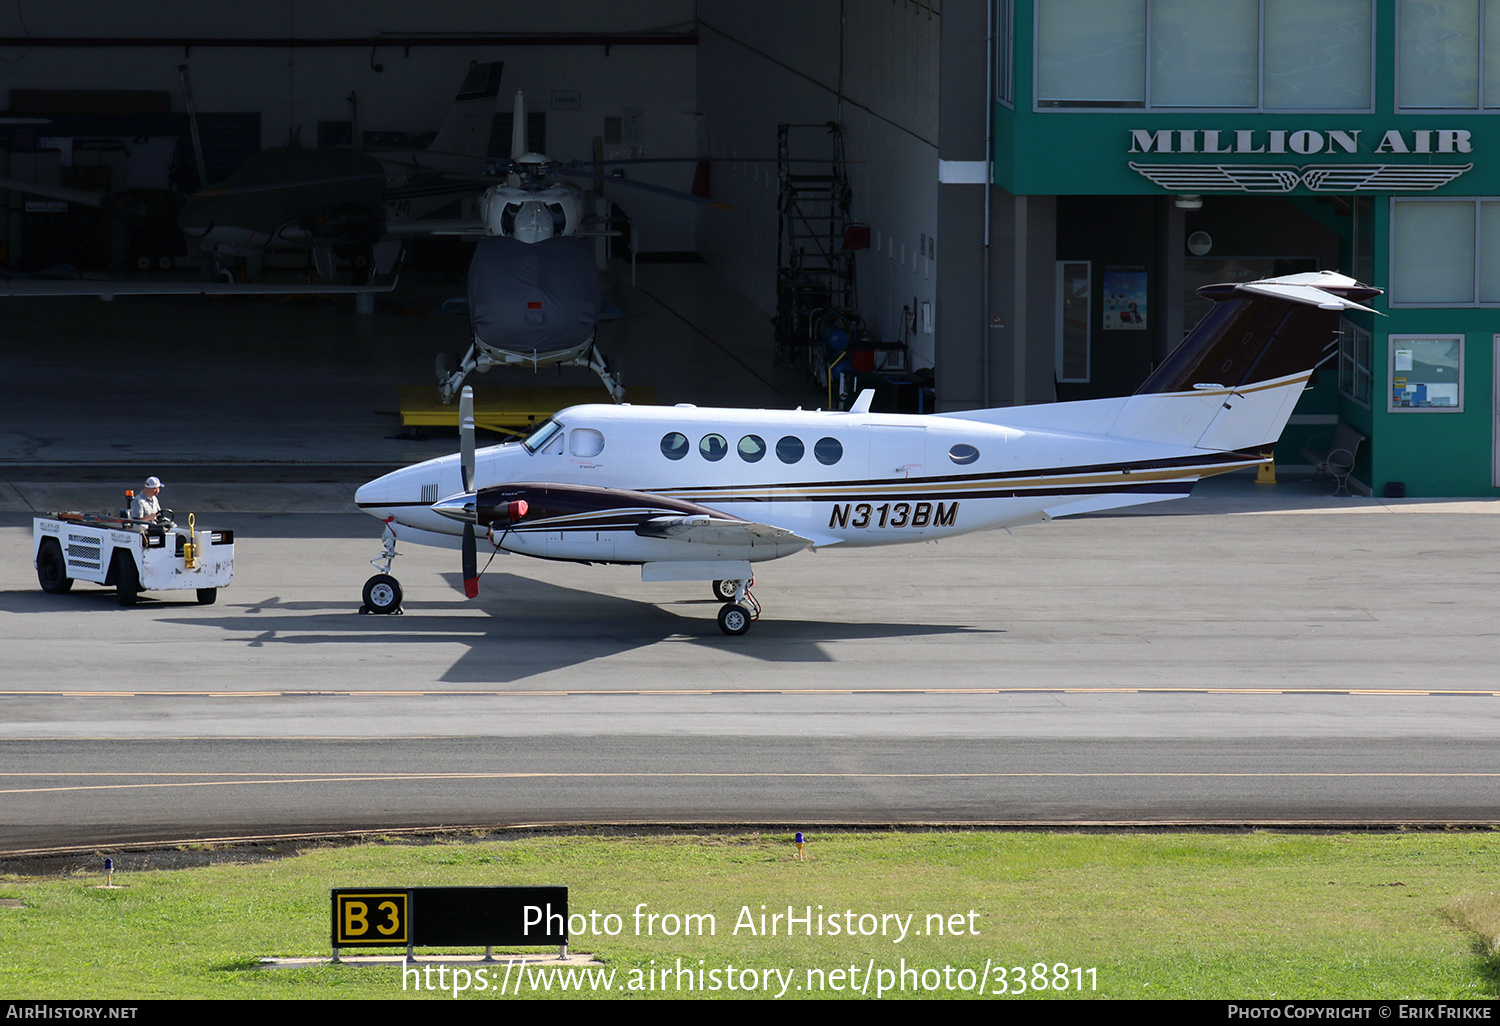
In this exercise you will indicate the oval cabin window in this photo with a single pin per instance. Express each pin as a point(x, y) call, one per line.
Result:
point(713, 447)
point(752, 448)
point(674, 446)
point(828, 451)
point(962, 454)
point(790, 449)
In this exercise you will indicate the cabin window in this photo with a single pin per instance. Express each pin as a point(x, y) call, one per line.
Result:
point(752, 448)
point(713, 447)
point(586, 442)
point(790, 449)
point(963, 454)
point(674, 446)
point(828, 451)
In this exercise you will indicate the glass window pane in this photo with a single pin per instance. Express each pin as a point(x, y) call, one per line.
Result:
point(1205, 55)
point(713, 447)
point(1492, 54)
point(1432, 247)
point(1091, 53)
point(674, 445)
point(752, 448)
point(1438, 53)
point(1489, 252)
point(828, 451)
point(789, 449)
point(1317, 54)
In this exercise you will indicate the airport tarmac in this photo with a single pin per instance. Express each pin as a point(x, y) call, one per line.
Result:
point(1304, 665)
point(1253, 654)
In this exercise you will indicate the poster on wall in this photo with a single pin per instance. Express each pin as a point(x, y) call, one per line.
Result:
point(1124, 300)
point(1426, 373)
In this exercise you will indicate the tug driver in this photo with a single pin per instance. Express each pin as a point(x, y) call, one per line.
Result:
point(146, 505)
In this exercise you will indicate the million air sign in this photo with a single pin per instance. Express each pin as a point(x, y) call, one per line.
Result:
point(1329, 173)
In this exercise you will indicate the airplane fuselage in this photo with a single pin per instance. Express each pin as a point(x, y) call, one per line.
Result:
point(827, 478)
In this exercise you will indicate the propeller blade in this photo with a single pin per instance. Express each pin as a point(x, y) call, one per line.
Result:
point(466, 436)
point(471, 563)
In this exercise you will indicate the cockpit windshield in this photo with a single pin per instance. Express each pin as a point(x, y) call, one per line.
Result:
point(541, 435)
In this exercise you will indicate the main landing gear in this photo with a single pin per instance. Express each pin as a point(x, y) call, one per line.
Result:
point(742, 610)
point(383, 592)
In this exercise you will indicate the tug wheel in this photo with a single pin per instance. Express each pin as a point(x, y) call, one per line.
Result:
point(52, 569)
point(127, 580)
point(382, 594)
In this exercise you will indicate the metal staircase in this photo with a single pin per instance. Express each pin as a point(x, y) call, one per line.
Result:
point(815, 265)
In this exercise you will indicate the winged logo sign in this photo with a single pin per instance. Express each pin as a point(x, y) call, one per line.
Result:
point(1281, 178)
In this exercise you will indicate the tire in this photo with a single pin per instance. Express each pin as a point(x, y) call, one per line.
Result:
point(127, 580)
point(383, 594)
point(447, 363)
point(52, 569)
point(724, 590)
point(206, 596)
point(734, 620)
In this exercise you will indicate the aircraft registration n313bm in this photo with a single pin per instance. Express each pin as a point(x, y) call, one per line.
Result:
point(693, 493)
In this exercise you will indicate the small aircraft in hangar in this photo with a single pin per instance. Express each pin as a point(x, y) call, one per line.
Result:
point(533, 286)
point(702, 494)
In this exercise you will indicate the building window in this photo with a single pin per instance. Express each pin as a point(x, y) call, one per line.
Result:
point(1355, 380)
point(1074, 320)
point(1448, 54)
point(1445, 252)
point(1004, 34)
point(1235, 54)
point(1427, 373)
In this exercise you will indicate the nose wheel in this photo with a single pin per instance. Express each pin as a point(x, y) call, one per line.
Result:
point(382, 595)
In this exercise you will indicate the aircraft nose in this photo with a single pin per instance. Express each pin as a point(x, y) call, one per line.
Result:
point(373, 496)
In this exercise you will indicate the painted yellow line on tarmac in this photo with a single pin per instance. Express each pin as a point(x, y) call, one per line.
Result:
point(809, 775)
point(643, 692)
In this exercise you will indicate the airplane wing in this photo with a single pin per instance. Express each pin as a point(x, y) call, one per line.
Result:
point(714, 531)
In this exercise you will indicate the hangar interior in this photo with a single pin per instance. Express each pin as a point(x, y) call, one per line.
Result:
point(958, 125)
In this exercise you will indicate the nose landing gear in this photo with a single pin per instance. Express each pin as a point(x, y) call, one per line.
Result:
point(383, 592)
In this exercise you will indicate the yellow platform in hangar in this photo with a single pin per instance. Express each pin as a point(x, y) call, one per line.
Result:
point(506, 409)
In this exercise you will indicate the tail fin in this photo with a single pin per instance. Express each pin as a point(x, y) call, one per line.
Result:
point(466, 129)
point(1260, 330)
point(1233, 382)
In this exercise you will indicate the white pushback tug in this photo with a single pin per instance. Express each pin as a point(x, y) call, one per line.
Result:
point(132, 555)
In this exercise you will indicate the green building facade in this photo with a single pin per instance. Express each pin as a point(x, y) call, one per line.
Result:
point(1169, 144)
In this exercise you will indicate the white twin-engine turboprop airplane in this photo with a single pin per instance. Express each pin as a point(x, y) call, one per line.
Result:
point(701, 494)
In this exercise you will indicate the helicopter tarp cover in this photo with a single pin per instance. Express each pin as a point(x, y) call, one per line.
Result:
point(533, 297)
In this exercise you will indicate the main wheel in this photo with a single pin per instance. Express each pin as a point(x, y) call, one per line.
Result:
point(383, 594)
point(206, 596)
point(127, 579)
point(724, 590)
point(734, 620)
point(52, 569)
